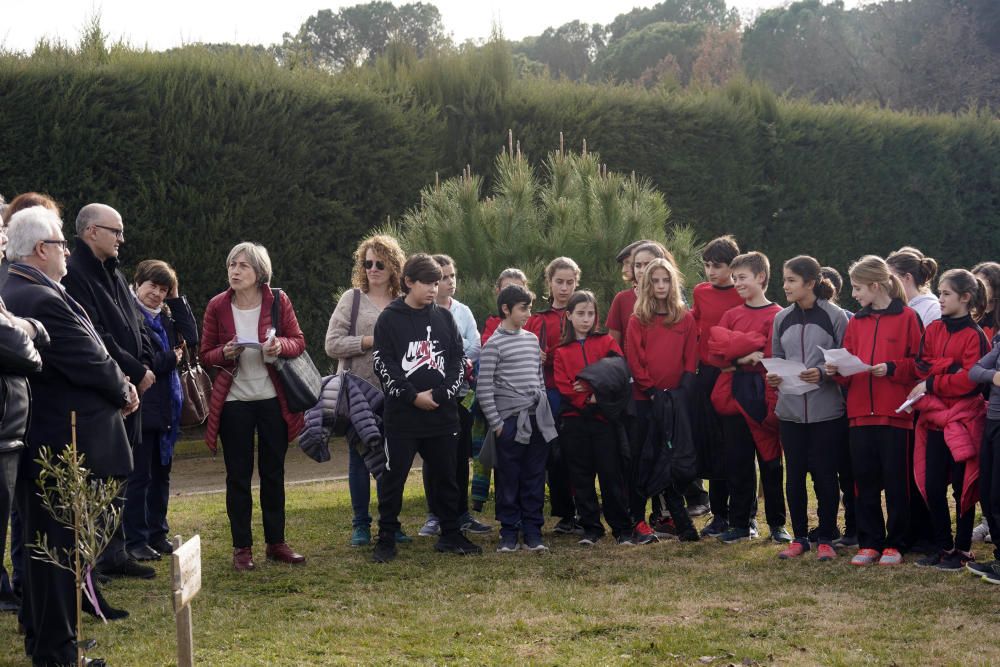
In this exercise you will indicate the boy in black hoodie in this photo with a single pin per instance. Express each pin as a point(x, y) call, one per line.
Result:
point(419, 358)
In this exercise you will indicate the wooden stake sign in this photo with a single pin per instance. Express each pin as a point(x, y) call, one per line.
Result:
point(185, 568)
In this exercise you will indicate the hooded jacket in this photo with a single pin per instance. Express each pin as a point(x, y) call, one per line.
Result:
point(417, 349)
point(798, 336)
point(891, 336)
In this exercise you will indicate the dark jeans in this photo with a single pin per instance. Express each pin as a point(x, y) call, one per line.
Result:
point(520, 481)
point(239, 422)
point(813, 449)
point(48, 610)
point(360, 485)
point(942, 470)
point(439, 453)
point(462, 457)
point(989, 481)
point(741, 463)
point(147, 493)
point(9, 461)
point(880, 458)
point(718, 498)
point(560, 489)
point(591, 449)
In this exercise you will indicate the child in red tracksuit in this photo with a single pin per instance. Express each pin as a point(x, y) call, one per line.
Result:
point(662, 341)
point(944, 454)
point(885, 334)
point(589, 441)
point(712, 299)
point(562, 275)
point(750, 429)
point(989, 318)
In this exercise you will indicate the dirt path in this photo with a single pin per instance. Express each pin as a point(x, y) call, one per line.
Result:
point(207, 474)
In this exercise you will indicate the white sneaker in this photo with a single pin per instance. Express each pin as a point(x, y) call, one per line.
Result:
point(431, 528)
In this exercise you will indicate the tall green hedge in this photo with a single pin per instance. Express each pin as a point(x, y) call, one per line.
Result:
point(199, 151)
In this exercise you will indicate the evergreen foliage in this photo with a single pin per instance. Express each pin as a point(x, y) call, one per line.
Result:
point(576, 208)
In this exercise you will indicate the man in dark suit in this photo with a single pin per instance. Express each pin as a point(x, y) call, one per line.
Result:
point(93, 279)
point(78, 374)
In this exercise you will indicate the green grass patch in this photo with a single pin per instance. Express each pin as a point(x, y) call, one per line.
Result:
point(670, 603)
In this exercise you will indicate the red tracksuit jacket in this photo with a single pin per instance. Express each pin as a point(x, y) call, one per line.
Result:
point(547, 325)
point(571, 358)
point(658, 355)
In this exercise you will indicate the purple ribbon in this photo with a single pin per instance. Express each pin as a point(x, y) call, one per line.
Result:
point(88, 590)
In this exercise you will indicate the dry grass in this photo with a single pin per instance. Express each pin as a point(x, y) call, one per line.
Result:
point(670, 603)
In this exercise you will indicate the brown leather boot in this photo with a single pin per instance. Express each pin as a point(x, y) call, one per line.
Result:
point(283, 554)
point(243, 559)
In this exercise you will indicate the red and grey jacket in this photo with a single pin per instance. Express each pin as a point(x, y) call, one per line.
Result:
point(891, 336)
point(949, 348)
point(571, 358)
point(547, 326)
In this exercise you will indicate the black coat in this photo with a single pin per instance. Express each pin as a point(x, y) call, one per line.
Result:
point(78, 375)
point(668, 456)
point(18, 358)
point(103, 292)
point(178, 322)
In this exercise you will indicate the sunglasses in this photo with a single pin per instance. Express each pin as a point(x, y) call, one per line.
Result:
point(368, 264)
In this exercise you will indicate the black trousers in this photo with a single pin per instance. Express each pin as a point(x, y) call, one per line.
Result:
point(711, 440)
point(845, 476)
point(813, 449)
point(48, 610)
point(591, 449)
point(942, 470)
point(919, 528)
point(239, 422)
point(881, 461)
point(557, 472)
point(989, 480)
point(9, 461)
point(464, 453)
point(439, 453)
point(741, 456)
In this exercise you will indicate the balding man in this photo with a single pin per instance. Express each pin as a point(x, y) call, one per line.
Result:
point(78, 375)
point(93, 279)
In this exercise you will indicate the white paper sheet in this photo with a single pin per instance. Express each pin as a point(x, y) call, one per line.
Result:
point(846, 363)
point(247, 342)
point(789, 372)
point(908, 403)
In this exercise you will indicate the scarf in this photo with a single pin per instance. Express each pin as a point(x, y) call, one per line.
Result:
point(168, 437)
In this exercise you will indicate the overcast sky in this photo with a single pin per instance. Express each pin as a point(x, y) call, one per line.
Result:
point(166, 23)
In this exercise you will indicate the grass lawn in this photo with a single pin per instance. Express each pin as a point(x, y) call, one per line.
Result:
point(703, 603)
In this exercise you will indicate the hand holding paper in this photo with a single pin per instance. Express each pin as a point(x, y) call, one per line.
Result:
point(847, 364)
point(789, 372)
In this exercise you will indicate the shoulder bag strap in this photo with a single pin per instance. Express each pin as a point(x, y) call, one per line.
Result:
point(353, 329)
point(276, 311)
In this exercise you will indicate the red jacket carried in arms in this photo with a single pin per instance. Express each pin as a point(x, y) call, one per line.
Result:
point(710, 304)
point(949, 348)
point(963, 421)
point(573, 357)
point(890, 336)
point(547, 326)
point(219, 328)
point(660, 355)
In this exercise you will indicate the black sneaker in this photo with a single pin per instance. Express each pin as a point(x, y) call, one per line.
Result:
point(954, 561)
point(625, 541)
point(717, 526)
point(476, 527)
point(385, 551)
point(689, 535)
point(845, 541)
point(698, 509)
point(814, 535)
point(982, 569)
point(780, 534)
point(589, 539)
point(993, 577)
point(933, 560)
point(128, 568)
point(457, 543)
point(508, 545)
point(734, 535)
point(568, 526)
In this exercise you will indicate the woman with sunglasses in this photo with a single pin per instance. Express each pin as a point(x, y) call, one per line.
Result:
point(378, 270)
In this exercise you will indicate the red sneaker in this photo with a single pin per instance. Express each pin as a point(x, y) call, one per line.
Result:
point(866, 557)
point(794, 550)
point(643, 534)
point(890, 557)
point(825, 552)
point(663, 526)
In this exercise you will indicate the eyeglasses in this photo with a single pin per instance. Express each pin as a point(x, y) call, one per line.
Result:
point(368, 264)
point(62, 242)
point(119, 233)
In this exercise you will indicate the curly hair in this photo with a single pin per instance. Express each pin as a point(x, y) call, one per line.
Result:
point(387, 249)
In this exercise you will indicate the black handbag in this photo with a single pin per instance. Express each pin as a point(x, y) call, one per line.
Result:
point(299, 376)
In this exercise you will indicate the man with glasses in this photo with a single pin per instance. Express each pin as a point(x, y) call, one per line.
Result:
point(94, 280)
point(77, 375)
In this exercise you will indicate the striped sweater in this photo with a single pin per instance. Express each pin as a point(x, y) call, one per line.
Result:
point(510, 376)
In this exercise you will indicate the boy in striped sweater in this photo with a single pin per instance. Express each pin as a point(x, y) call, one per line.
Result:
point(511, 394)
